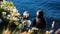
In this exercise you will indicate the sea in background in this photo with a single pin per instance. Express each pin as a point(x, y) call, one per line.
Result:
point(51, 9)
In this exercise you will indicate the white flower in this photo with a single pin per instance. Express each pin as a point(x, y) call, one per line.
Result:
point(47, 32)
point(20, 26)
point(16, 19)
point(15, 10)
point(4, 13)
point(4, 8)
point(4, 1)
point(18, 14)
point(14, 7)
point(11, 7)
point(2, 5)
point(34, 28)
point(50, 31)
point(8, 9)
point(30, 31)
point(11, 18)
point(24, 22)
point(8, 15)
point(0, 20)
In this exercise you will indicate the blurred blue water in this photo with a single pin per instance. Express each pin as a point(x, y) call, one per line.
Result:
point(51, 8)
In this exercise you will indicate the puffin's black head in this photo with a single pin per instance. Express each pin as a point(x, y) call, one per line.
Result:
point(39, 13)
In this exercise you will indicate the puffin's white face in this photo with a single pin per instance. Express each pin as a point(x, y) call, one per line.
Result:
point(26, 14)
point(37, 12)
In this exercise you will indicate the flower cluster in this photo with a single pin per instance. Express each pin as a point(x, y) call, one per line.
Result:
point(9, 11)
